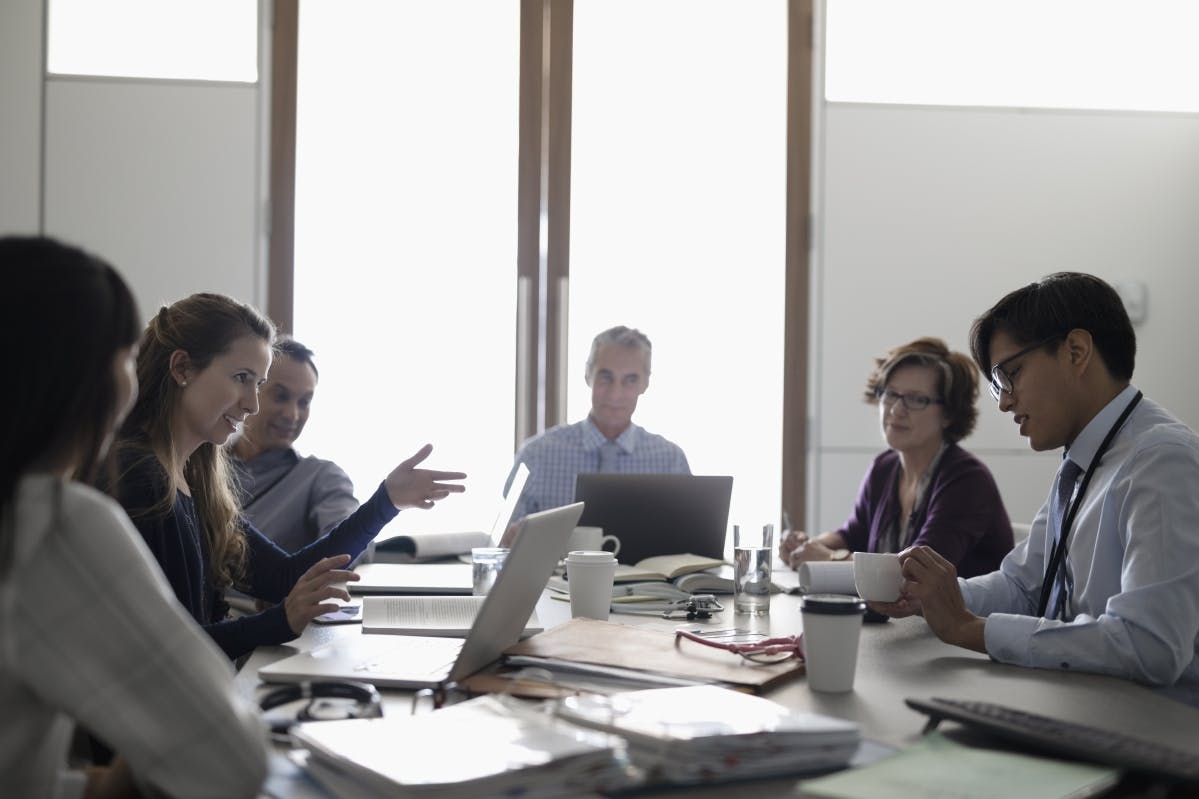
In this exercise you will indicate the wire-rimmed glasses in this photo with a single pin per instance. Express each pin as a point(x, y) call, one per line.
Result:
point(1001, 381)
point(913, 402)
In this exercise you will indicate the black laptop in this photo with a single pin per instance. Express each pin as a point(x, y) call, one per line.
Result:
point(657, 514)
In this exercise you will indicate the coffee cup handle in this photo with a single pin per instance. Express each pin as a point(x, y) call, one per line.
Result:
point(615, 543)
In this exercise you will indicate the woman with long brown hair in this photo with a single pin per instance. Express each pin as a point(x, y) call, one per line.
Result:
point(201, 363)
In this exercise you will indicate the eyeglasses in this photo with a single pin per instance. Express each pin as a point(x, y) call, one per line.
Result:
point(768, 650)
point(1001, 381)
point(913, 402)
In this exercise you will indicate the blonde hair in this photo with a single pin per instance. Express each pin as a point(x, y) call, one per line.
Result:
point(204, 326)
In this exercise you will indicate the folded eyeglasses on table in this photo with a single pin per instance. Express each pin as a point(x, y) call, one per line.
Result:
point(692, 607)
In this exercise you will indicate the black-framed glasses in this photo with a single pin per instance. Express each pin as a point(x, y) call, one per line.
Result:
point(913, 402)
point(1001, 381)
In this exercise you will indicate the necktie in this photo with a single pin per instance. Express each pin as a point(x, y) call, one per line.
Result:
point(1067, 475)
point(608, 453)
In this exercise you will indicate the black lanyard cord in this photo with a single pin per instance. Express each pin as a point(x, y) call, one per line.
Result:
point(1057, 556)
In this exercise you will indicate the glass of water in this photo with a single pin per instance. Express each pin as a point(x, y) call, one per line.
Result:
point(752, 555)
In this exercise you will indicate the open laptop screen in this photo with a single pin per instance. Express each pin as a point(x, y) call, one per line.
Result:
point(657, 514)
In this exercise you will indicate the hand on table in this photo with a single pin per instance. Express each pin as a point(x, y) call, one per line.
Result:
point(796, 547)
point(307, 598)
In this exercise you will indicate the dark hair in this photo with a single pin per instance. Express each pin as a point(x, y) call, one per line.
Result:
point(957, 382)
point(65, 315)
point(286, 345)
point(1053, 306)
point(204, 326)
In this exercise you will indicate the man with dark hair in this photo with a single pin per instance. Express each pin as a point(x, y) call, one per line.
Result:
point(1108, 579)
point(293, 500)
point(607, 440)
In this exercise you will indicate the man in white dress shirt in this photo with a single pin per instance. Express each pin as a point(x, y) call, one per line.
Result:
point(1121, 597)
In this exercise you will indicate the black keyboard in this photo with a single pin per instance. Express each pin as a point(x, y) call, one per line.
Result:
point(1064, 738)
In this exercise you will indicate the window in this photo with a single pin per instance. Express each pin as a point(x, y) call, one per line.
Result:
point(213, 40)
point(1122, 56)
point(405, 233)
point(677, 223)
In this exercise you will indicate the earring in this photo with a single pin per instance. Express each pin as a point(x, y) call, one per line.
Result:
point(182, 383)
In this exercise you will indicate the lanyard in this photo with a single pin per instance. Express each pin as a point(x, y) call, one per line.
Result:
point(1057, 556)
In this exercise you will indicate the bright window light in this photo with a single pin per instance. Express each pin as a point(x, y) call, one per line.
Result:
point(213, 40)
point(678, 222)
point(1078, 54)
point(405, 251)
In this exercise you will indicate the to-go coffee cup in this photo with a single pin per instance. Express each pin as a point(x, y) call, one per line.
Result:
point(832, 624)
point(590, 574)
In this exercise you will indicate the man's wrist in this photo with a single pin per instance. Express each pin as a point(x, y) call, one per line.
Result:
point(971, 634)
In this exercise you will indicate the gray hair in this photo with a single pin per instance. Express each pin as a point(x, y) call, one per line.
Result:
point(623, 336)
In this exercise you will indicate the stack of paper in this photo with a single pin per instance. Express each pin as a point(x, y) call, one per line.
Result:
point(484, 747)
point(707, 734)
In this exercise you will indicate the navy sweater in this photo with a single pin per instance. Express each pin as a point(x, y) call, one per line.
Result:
point(177, 541)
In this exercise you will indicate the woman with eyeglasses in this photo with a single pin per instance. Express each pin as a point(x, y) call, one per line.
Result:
point(924, 489)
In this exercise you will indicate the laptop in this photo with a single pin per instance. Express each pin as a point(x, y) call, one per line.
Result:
point(438, 578)
point(412, 662)
point(657, 514)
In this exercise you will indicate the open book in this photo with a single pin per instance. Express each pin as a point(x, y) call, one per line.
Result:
point(664, 567)
point(428, 546)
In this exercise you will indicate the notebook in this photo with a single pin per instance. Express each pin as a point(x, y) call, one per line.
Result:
point(424, 662)
point(427, 615)
point(435, 578)
point(657, 514)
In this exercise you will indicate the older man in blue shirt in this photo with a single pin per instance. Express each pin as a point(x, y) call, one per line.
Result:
point(617, 371)
point(1108, 579)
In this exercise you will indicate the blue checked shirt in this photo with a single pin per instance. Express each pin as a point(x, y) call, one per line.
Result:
point(557, 455)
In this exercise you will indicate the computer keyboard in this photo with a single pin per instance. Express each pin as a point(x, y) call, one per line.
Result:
point(1069, 739)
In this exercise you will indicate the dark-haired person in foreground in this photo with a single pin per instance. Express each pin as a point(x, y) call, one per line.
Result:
point(90, 632)
point(293, 500)
point(1121, 597)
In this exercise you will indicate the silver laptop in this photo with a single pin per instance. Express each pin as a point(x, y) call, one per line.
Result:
point(400, 661)
point(436, 578)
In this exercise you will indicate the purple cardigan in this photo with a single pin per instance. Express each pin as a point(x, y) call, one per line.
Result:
point(961, 515)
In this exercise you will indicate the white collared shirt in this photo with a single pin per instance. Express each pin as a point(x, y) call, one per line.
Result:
point(1133, 559)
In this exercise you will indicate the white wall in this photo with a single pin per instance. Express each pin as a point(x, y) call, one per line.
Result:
point(21, 119)
point(927, 216)
point(162, 178)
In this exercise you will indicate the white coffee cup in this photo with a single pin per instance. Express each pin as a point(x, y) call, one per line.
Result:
point(590, 573)
point(832, 624)
point(826, 577)
point(591, 539)
point(877, 576)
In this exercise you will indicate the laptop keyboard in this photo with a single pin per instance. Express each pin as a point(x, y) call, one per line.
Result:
point(1066, 738)
point(403, 659)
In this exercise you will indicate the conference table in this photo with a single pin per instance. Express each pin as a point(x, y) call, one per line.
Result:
point(897, 659)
